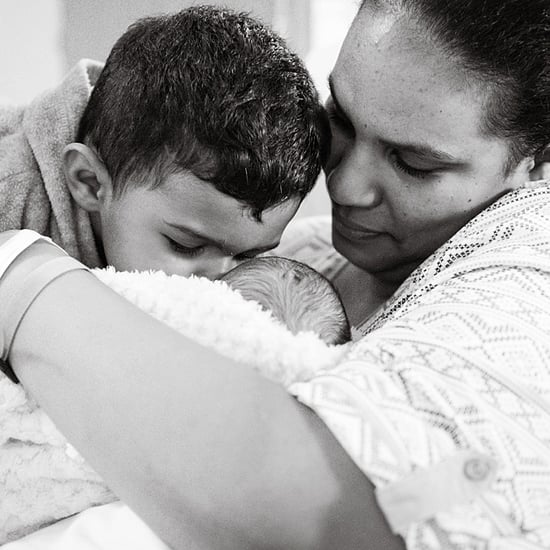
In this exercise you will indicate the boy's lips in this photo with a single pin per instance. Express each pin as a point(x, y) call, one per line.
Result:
point(352, 230)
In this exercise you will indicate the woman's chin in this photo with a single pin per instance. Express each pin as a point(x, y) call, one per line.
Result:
point(378, 260)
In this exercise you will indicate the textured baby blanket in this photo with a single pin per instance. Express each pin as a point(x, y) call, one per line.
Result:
point(44, 479)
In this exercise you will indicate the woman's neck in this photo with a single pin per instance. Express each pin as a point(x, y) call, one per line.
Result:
point(363, 293)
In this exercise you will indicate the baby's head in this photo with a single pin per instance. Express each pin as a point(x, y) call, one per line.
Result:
point(202, 135)
point(296, 294)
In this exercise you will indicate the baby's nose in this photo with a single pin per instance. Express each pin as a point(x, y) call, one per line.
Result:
point(217, 269)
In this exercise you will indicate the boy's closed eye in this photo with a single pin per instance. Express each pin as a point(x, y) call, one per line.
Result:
point(193, 251)
point(190, 243)
point(190, 251)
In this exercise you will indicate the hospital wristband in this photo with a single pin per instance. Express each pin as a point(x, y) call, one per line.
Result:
point(25, 290)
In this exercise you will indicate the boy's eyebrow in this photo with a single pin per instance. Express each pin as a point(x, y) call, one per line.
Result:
point(221, 244)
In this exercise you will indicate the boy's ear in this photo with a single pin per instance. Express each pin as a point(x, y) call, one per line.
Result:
point(87, 178)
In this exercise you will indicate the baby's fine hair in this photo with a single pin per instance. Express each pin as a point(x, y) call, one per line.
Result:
point(212, 92)
point(296, 295)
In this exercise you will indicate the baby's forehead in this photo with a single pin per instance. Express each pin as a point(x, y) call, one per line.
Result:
point(252, 268)
point(281, 271)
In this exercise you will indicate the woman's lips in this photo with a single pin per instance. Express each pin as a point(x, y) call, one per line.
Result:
point(352, 230)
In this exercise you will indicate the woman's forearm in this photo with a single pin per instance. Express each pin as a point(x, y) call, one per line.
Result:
point(210, 454)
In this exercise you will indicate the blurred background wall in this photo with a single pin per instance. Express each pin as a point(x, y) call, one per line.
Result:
point(41, 39)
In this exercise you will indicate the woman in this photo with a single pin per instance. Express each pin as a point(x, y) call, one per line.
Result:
point(439, 114)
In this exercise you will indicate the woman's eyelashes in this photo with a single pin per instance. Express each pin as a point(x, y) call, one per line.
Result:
point(340, 121)
point(343, 124)
point(189, 251)
point(400, 164)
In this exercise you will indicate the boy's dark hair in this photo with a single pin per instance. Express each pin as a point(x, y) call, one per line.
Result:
point(505, 44)
point(213, 92)
point(296, 294)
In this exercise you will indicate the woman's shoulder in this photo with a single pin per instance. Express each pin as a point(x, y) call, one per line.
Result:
point(517, 207)
point(515, 226)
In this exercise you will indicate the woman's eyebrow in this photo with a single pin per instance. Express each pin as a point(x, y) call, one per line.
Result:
point(425, 151)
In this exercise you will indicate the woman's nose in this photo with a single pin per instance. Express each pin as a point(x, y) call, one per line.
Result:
point(354, 180)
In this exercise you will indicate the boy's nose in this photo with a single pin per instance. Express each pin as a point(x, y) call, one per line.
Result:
point(228, 263)
point(215, 269)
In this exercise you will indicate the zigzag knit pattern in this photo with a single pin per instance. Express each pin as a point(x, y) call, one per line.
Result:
point(459, 360)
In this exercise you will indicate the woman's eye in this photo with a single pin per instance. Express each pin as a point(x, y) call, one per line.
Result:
point(400, 164)
point(189, 251)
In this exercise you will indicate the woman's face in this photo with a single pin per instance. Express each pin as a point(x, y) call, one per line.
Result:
point(409, 164)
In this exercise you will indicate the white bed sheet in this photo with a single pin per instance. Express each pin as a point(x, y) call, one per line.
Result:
point(109, 527)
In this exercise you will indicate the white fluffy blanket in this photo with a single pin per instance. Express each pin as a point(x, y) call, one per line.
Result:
point(44, 479)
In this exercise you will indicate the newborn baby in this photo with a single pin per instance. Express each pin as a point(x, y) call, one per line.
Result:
point(295, 294)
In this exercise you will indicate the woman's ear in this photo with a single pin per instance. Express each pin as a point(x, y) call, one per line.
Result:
point(87, 178)
point(541, 170)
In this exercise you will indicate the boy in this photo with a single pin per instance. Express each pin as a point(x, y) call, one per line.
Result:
point(297, 295)
point(200, 138)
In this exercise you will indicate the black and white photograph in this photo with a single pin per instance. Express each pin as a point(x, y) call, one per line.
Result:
point(275, 275)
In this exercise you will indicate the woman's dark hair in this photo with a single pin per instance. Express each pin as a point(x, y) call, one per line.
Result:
point(213, 92)
point(506, 45)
